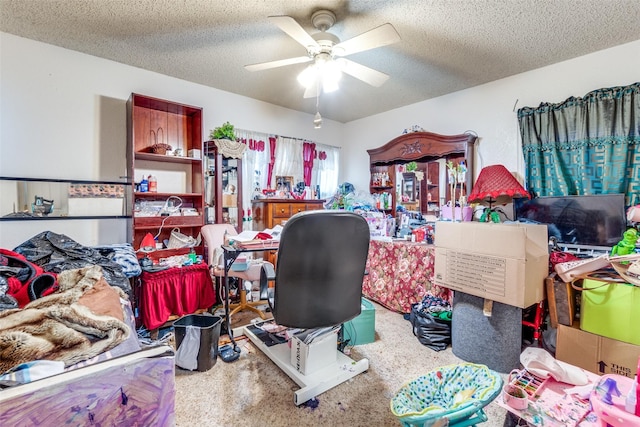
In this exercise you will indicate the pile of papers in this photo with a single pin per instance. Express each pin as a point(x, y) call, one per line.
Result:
point(269, 238)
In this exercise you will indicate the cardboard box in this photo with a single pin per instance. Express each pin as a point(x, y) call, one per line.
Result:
point(321, 352)
point(229, 201)
point(362, 329)
point(596, 353)
point(507, 263)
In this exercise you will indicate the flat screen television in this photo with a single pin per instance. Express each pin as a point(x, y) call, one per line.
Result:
point(595, 220)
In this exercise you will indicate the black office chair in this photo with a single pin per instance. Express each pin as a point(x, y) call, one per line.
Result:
point(321, 264)
point(318, 283)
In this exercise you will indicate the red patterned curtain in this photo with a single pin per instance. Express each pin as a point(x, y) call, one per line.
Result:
point(254, 144)
point(272, 161)
point(308, 153)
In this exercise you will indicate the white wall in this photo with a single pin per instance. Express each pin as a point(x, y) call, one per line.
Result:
point(488, 110)
point(62, 115)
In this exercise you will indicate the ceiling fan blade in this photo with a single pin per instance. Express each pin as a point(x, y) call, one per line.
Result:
point(280, 63)
point(366, 74)
point(380, 36)
point(291, 27)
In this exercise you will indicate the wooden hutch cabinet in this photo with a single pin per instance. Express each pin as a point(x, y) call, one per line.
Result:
point(427, 149)
point(178, 201)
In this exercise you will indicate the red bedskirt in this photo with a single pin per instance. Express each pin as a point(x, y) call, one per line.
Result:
point(175, 291)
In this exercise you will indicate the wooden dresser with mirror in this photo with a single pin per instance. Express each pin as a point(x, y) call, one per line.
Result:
point(430, 152)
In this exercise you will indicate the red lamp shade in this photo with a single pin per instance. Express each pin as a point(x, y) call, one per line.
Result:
point(496, 184)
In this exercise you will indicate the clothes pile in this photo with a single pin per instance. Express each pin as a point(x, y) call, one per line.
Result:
point(431, 322)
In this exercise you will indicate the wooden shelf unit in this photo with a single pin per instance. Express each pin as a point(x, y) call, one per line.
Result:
point(227, 171)
point(180, 177)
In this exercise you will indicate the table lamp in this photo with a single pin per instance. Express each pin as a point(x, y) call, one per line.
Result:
point(495, 184)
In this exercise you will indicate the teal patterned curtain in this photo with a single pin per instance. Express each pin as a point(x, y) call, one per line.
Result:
point(583, 146)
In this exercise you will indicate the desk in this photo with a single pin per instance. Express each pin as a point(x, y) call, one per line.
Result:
point(174, 292)
point(230, 253)
point(400, 274)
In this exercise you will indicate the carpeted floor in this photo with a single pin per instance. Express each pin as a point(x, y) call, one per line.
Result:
point(254, 392)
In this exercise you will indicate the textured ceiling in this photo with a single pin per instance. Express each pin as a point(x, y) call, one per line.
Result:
point(446, 46)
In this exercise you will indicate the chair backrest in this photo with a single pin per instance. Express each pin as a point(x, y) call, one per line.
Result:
point(321, 264)
point(213, 235)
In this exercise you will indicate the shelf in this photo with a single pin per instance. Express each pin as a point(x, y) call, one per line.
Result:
point(152, 194)
point(27, 199)
point(68, 218)
point(66, 181)
point(163, 253)
point(165, 158)
point(147, 222)
point(388, 187)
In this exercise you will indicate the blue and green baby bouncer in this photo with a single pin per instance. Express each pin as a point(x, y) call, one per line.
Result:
point(455, 392)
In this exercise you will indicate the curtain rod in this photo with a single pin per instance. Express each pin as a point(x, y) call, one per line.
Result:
point(290, 137)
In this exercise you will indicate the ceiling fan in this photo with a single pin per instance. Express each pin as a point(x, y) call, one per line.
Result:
point(327, 52)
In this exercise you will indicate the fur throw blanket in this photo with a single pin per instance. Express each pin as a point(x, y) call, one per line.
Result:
point(61, 326)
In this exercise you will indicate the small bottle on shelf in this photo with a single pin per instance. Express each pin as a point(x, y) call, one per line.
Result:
point(144, 185)
point(153, 184)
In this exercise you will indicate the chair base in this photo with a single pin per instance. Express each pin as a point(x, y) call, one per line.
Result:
point(247, 305)
point(317, 382)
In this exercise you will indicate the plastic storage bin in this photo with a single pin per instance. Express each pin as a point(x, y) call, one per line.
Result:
point(612, 414)
point(240, 264)
point(362, 329)
point(208, 328)
point(611, 310)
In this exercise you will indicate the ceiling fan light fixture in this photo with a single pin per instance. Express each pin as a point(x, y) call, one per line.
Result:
point(326, 51)
point(308, 76)
point(317, 120)
point(329, 85)
point(325, 73)
point(331, 75)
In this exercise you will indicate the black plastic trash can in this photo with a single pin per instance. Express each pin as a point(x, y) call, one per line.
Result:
point(199, 333)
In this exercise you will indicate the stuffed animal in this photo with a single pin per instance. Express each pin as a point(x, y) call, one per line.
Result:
point(627, 245)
